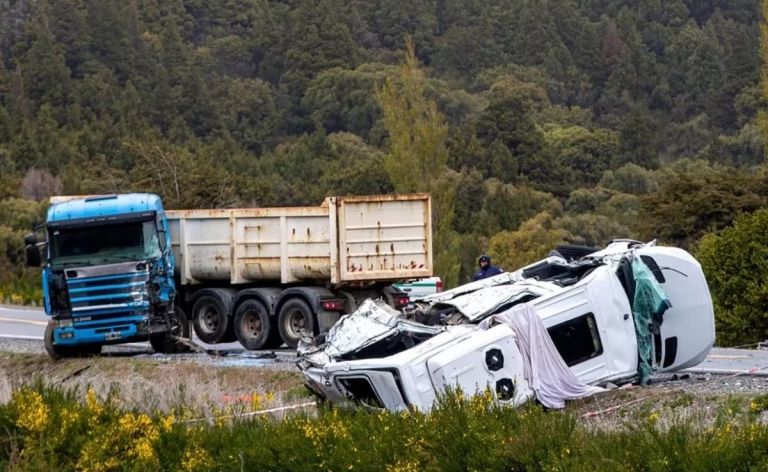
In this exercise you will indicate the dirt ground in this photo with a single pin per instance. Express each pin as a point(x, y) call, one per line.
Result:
point(148, 383)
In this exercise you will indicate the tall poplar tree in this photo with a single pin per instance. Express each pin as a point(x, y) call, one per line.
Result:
point(416, 156)
point(762, 117)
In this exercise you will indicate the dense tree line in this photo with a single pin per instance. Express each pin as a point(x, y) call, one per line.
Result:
point(552, 120)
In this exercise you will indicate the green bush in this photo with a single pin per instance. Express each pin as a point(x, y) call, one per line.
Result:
point(49, 429)
point(735, 262)
point(18, 285)
point(21, 286)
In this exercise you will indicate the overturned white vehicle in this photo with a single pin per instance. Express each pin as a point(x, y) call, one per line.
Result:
point(555, 330)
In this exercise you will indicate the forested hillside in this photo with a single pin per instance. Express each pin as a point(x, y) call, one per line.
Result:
point(546, 121)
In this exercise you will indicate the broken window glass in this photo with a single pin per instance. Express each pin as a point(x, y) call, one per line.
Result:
point(361, 391)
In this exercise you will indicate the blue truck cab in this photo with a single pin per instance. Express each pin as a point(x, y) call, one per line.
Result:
point(108, 275)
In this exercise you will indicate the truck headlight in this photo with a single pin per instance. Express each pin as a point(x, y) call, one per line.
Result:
point(65, 323)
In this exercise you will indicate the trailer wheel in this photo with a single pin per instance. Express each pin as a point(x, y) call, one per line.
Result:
point(254, 328)
point(169, 342)
point(295, 315)
point(210, 317)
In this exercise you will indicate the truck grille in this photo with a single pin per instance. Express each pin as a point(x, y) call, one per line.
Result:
point(108, 296)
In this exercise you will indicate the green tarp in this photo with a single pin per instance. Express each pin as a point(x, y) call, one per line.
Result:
point(648, 307)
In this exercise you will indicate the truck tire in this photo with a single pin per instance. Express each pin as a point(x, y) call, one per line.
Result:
point(56, 353)
point(169, 342)
point(295, 315)
point(210, 317)
point(254, 328)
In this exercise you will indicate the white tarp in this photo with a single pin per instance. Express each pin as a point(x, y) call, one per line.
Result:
point(545, 370)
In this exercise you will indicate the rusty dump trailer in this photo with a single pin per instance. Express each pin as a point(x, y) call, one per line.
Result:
point(261, 275)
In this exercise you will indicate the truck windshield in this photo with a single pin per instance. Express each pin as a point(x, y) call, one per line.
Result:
point(104, 244)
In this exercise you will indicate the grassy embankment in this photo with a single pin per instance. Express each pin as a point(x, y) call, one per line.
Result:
point(178, 420)
point(150, 384)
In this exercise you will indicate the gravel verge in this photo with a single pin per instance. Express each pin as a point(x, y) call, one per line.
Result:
point(219, 379)
point(281, 359)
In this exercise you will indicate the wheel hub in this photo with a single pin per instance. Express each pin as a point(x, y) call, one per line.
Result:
point(252, 324)
point(296, 322)
point(209, 319)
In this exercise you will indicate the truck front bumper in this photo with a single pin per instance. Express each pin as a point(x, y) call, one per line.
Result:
point(116, 332)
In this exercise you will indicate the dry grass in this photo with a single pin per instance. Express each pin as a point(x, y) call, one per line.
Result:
point(151, 385)
point(664, 404)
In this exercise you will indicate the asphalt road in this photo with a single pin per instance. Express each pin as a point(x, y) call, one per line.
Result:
point(23, 323)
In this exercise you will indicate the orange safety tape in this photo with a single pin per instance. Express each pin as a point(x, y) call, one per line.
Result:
point(594, 413)
point(256, 413)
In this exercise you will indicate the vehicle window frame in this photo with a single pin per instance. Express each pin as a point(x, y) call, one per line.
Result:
point(52, 238)
point(597, 342)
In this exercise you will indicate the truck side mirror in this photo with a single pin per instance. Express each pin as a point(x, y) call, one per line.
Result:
point(161, 235)
point(33, 255)
point(30, 239)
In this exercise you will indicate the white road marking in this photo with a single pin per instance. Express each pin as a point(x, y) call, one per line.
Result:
point(19, 320)
point(734, 372)
point(22, 308)
point(40, 338)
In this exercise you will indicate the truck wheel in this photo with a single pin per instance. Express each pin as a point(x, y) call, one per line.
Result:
point(295, 315)
point(169, 342)
point(210, 317)
point(56, 353)
point(254, 327)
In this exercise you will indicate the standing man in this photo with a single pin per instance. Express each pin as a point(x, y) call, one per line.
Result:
point(486, 269)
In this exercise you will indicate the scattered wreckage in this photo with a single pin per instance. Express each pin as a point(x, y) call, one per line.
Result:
point(554, 330)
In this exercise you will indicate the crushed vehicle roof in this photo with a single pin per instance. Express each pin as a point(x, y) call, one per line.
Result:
point(583, 304)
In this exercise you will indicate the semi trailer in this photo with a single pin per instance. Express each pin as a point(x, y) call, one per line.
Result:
point(121, 268)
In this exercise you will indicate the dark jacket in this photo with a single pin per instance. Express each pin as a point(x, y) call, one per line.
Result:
point(489, 271)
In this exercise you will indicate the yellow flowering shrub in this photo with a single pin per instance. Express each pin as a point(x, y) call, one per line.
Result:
point(403, 465)
point(129, 440)
point(167, 422)
point(758, 404)
point(54, 430)
point(196, 458)
point(257, 402)
point(32, 412)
